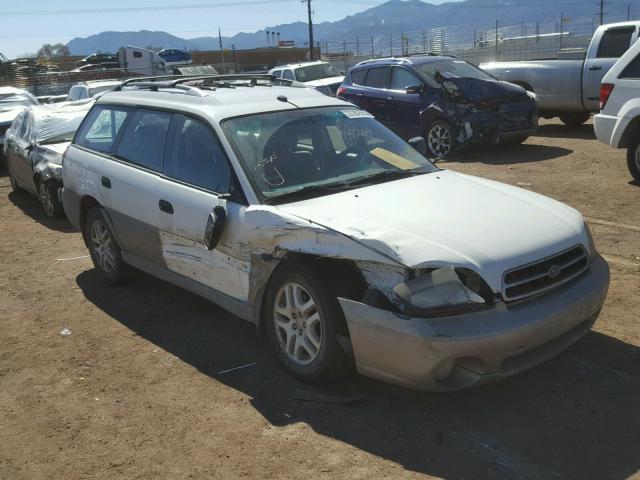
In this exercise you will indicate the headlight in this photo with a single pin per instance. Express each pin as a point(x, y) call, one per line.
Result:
point(443, 289)
point(591, 243)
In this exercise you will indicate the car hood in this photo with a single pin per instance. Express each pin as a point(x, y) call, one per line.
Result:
point(446, 218)
point(9, 115)
point(477, 90)
point(58, 148)
point(325, 81)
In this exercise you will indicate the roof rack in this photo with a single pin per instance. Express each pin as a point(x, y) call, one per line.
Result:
point(177, 81)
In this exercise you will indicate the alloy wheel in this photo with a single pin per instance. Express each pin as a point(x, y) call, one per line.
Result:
point(103, 245)
point(46, 199)
point(439, 140)
point(297, 323)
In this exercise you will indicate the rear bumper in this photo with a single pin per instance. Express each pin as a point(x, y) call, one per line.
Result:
point(604, 125)
point(451, 353)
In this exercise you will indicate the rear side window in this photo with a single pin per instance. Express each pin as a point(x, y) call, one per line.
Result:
point(287, 75)
point(402, 78)
point(194, 156)
point(633, 69)
point(377, 77)
point(144, 139)
point(357, 78)
point(101, 127)
point(615, 42)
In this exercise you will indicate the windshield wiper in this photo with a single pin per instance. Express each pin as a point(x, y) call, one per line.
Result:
point(385, 175)
point(310, 190)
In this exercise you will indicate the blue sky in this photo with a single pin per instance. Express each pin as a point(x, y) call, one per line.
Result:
point(26, 25)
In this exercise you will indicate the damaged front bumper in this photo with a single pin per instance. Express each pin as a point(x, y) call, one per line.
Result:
point(450, 353)
point(508, 122)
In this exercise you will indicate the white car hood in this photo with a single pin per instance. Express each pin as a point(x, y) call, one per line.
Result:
point(8, 116)
point(446, 218)
point(58, 148)
point(325, 81)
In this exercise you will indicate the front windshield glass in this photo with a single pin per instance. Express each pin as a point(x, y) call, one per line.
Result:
point(327, 148)
point(316, 72)
point(447, 69)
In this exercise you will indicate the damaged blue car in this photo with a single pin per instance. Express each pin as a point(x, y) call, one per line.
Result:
point(449, 102)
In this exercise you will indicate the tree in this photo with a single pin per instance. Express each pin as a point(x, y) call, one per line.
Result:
point(56, 50)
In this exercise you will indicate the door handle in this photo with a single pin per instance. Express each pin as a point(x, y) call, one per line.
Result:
point(597, 67)
point(106, 183)
point(165, 206)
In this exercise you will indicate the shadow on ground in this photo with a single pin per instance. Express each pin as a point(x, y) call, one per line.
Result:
point(575, 417)
point(30, 205)
point(559, 130)
point(508, 154)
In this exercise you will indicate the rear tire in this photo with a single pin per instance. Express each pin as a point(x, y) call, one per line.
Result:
point(574, 119)
point(303, 320)
point(633, 159)
point(104, 250)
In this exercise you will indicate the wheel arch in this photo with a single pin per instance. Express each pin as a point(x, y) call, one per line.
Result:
point(630, 133)
point(347, 276)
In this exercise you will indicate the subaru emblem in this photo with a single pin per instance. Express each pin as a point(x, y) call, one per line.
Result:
point(553, 271)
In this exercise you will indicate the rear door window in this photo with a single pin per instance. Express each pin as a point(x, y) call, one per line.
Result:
point(357, 78)
point(194, 156)
point(377, 77)
point(615, 42)
point(100, 129)
point(144, 139)
point(287, 75)
point(633, 69)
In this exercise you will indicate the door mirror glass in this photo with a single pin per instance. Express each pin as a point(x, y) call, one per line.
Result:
point(414, 89)
point(215, 226)
point(420, 144)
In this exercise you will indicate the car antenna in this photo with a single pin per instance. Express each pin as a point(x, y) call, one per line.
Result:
point(284, 99)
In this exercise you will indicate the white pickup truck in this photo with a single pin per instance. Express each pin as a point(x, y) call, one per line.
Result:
point(570, 89)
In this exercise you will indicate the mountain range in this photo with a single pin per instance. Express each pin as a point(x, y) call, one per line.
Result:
point(389, 18)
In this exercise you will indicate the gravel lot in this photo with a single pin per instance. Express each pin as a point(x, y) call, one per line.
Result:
point(135, 390)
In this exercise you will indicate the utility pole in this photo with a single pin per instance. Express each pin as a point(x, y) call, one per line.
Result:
point(224, 65)
point(311, 50)
point(601, 12)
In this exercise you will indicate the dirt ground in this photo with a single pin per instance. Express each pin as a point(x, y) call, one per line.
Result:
point(135, 391)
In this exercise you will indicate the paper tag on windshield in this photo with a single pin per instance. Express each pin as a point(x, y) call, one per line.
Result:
point(356, 114)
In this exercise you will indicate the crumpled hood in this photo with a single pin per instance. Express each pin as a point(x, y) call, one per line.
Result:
point(58, 148)
point(446, 218)
point(476, 90)
point(325, 81)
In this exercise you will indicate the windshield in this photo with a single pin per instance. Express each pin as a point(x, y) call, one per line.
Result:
point(316, 72)
point(327, 148)
point(445, 69)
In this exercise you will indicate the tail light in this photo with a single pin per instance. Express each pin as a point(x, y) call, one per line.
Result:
point(340, 91)
point(605, 92)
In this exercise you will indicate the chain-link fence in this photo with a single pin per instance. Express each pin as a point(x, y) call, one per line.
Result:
point(525, 41)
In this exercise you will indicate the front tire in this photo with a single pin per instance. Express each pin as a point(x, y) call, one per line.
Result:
point(103, 247)
point(440, 140)
point(48, 195)
point(303, 321)
point(633, 160)
point(574, 119)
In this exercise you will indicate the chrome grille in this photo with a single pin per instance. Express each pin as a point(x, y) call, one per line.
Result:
point(544, 274)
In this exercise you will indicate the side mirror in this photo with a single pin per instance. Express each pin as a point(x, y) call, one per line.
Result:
point(414, 89)
point(215, 225)
point(420, 144)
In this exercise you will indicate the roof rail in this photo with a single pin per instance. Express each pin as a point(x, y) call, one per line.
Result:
point(147, 80)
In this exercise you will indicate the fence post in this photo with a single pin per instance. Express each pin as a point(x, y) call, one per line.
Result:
point(496, 40)
point(344, 53)
point(424, 41)
point(358, 46)
point(372, 52)
point(391, 45)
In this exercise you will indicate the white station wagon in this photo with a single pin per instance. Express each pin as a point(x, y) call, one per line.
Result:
point(344, 244)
